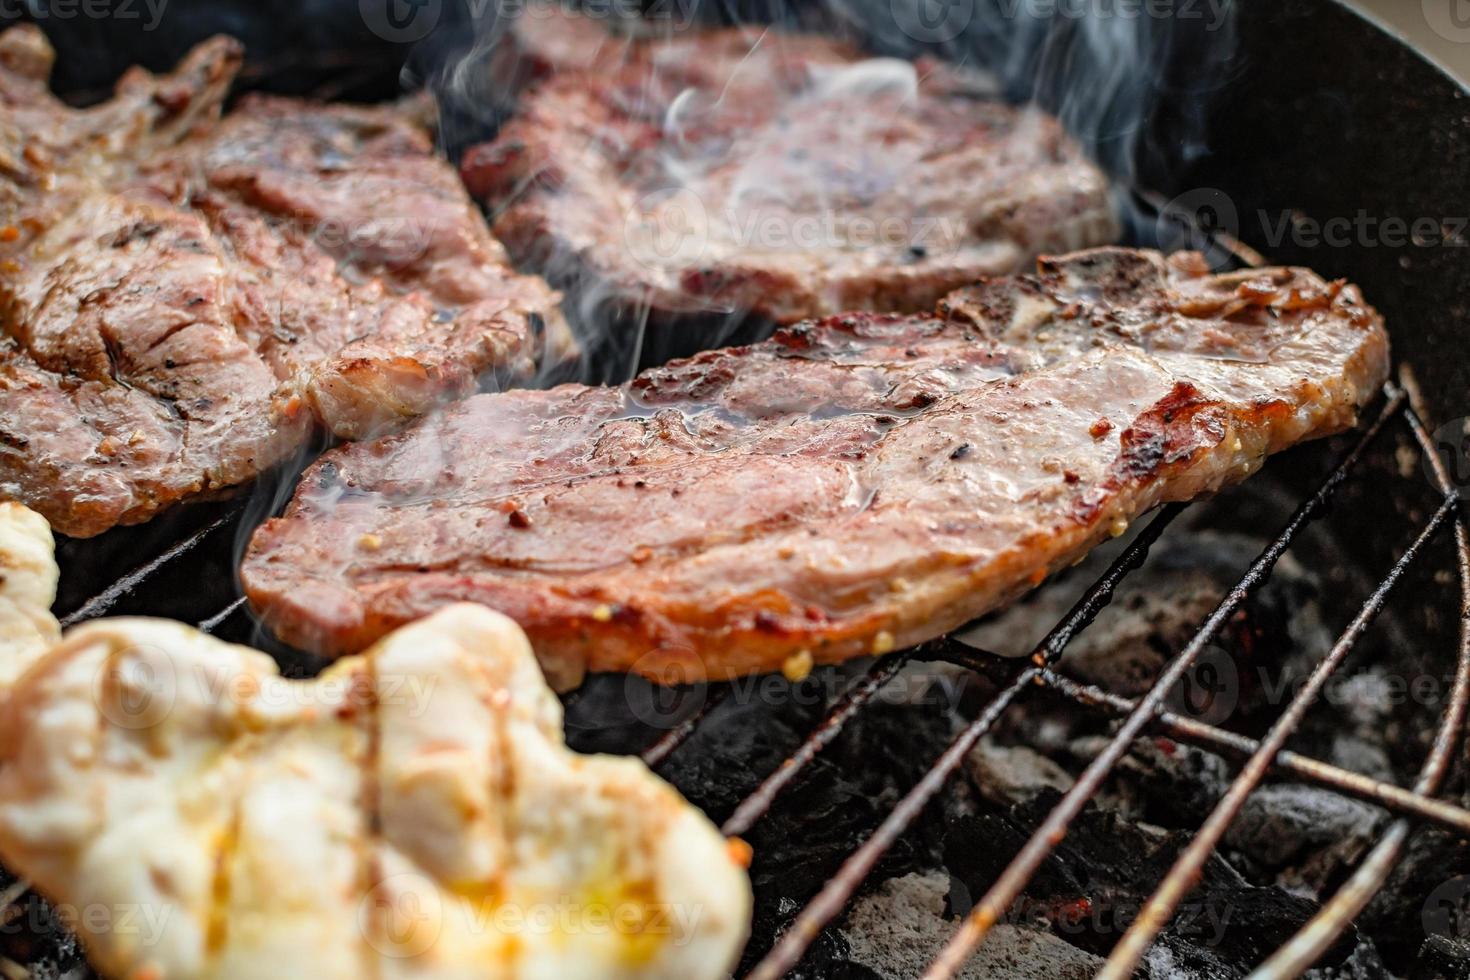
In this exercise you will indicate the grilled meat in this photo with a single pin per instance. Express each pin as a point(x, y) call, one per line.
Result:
point(781, 174)
point(853, 485)
point(183, 299)
point(412, 813)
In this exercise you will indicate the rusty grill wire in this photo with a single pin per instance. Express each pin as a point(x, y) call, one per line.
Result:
point(1262, 757)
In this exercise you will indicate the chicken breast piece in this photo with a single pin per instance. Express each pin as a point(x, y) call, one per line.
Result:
point(28, 577)
point(412, 813)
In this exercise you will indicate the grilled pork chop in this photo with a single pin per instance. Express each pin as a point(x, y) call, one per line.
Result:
point(850, 486)
point(183, 299)
point(781, 174)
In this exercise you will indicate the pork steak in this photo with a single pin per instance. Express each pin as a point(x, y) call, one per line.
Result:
point(850, 486)
point(734, 171)
point(185, 298)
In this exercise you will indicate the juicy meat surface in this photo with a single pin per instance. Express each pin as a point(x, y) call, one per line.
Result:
point(788, 175)
point(184, 298)
point(850, 486)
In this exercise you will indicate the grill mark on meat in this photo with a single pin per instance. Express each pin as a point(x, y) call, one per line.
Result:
point(217, 919)
point(363, 703)
point(1174, 431)
point(1165, 434)
point(747, 505)
point(169, 334)
point(113, 349)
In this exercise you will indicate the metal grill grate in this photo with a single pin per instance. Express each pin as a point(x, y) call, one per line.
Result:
point(1144, 714)
point(1338, 912)
point(1147, 713)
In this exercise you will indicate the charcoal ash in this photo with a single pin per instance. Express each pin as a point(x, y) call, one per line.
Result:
point(1159, 607)
point(1158, 781)
point(838, 804)
point(1427, 896)
point(1368, 728)
point(1093, 885)
point(895, 931)
point(1364, 964)
point(1302, 837)
point(1006, 774)
point(1441, 958)
point(1295, 842)
point(1309, 836)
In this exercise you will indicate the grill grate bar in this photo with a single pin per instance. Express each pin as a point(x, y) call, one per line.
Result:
point(213, 622)
point(759, 803)
point(1180, 880)
point(114, 593)
point(835, 895)
point(1305, 768)
point(655, 754)
point(1054, 828)
point(1353, 896)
